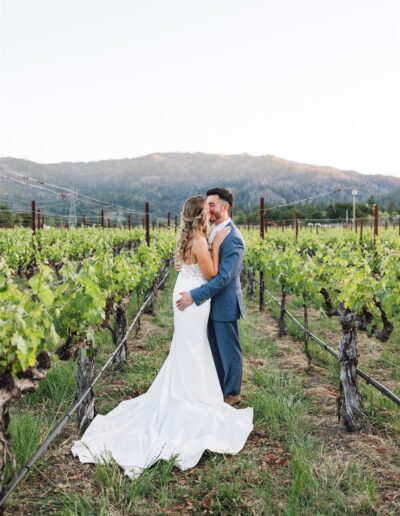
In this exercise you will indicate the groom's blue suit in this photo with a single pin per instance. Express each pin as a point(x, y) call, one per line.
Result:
point(226, 308)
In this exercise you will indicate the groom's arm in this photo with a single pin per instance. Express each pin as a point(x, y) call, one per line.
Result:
point(229, 267)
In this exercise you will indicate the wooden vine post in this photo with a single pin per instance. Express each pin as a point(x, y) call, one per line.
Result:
point(33, 217)
point(305, 335)
point(147, 221)
point(376, 220)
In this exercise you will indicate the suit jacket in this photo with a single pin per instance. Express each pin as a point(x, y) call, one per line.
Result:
point(224, 289)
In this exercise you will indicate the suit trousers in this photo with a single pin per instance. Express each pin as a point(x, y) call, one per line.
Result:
point(227, 353)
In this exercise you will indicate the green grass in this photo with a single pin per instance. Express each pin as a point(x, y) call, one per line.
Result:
point(390, 356)
point(57, 390)
point(27, 430)
point(143, 372)
point(117, 494)
point(280, 404)
point(155, 342)
point(381, 411)
point(254, 342)
point(39, 411)
point(322, 485)
point(315, 483)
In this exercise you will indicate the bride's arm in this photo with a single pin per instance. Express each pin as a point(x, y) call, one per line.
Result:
point(209, 264)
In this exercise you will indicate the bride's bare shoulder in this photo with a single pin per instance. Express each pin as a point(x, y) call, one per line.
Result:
point(200, 240)
point(201, 236)
point(199, 244)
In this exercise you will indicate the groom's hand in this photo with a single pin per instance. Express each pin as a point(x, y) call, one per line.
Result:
point(185, 301)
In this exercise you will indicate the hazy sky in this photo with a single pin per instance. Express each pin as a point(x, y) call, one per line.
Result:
point(315, 81)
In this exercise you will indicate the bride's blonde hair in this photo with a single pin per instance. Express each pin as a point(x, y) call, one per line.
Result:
point(192, 216)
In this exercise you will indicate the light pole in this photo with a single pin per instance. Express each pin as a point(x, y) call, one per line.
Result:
point(354, 193)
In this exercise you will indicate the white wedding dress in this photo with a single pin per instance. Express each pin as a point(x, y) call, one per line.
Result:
point(182, 414)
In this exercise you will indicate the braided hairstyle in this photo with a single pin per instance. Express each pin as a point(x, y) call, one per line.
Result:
point(192, 215)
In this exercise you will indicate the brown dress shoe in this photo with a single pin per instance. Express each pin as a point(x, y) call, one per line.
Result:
point(232, 399)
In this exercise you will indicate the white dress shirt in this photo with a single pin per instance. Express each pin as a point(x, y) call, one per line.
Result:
point(217, 229)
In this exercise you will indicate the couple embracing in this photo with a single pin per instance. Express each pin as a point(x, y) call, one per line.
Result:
point(189, 407)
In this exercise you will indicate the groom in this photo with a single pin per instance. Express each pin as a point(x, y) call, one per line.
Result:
point(226, 297)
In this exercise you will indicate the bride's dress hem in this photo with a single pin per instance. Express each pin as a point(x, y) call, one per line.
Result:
point(82, 450)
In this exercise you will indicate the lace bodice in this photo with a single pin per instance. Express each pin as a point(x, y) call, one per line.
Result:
point(191, 270)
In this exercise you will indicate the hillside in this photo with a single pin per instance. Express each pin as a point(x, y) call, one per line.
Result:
point(166, 179)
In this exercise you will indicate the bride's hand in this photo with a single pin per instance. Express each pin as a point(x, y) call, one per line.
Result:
point(221, 235)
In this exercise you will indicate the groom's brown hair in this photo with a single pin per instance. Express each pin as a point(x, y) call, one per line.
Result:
point(223, 193)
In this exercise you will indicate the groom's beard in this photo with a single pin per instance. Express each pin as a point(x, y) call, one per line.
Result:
point(215, 216)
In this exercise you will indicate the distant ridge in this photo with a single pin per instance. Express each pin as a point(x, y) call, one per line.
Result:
point(167, 179)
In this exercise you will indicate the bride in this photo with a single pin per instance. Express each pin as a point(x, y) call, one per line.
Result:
point(183, 413)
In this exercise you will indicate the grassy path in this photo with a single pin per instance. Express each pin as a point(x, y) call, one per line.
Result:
point(297, 461)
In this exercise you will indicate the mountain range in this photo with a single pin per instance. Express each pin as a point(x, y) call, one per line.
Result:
point(167, 179)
